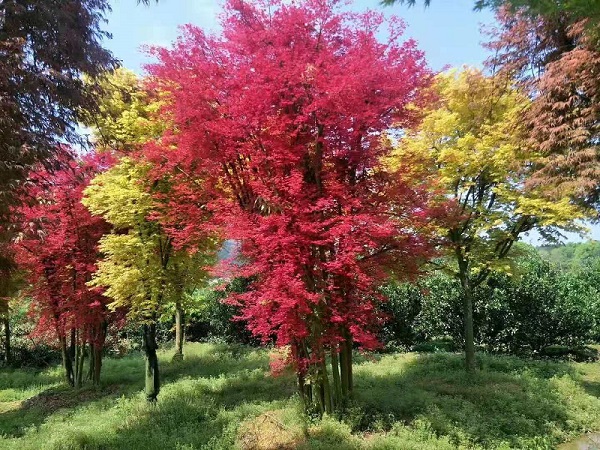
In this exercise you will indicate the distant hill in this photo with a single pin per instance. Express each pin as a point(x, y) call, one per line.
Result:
point(573, 256)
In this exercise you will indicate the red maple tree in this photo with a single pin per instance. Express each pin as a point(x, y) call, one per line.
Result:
point(58, 245)
point(281, 126)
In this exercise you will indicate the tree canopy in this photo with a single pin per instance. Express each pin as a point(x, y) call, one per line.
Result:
point(472, 145)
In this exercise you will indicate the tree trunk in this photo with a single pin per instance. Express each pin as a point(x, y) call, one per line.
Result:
point(79, 360)
point(344, 370)
point(7, 349)
point(468, 322)
point(78, 356)
point(325, 386)
point(67, 361)
point(348, 344)
point(152, 375)
point(337, 384)
point(179, 332)
point(97, 356)
point(96, 346)
point(92, 369)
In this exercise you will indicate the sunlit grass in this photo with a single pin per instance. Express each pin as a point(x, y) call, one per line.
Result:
point(222, 397)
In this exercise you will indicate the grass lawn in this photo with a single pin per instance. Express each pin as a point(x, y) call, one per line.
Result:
point(222, 397)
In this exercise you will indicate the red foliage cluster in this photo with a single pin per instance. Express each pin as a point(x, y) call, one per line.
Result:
point(280, 132)
point(58, 246)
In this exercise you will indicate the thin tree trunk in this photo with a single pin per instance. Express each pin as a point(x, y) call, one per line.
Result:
point(7, 349)
point(92, 370)
point(302, 390)
point(79, 362)
point(76, 365)
point(179, 332)
point(349, 374)
point(78, 343)
point(96, 355)
point(97, 364)
point(67, 362)
point(344, 370)
point(326, 387)
point(152, 375)
point(337, 385)
point(468, 318)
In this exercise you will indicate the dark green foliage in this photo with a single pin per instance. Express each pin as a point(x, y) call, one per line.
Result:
point(27, 352)
point(538, 308)
point(45, 46)
point(421, 313)
point(548, 308)
point(215, 319)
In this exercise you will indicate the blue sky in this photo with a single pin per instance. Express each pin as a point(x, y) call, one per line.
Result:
point(448, 31)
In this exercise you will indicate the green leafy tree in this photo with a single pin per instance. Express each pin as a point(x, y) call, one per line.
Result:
point(577, 9)
point(573, 257)
point(538, 311)
point(471, 144)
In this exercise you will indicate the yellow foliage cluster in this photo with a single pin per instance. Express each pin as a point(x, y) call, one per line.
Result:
point(471, 147)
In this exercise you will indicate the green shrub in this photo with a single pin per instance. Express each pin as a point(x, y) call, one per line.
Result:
point(525, 314)
point(214, 320)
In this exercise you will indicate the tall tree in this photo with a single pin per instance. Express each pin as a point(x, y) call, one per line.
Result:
point(58, 245)
point(141, 269)
point(474, 144)
point(125, 120)
point(556, 60)
point(281, 118)
point(45, 46)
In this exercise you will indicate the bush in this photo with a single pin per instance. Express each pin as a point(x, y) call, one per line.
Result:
point(527, 314)
point(25, 351)
point(215, 320)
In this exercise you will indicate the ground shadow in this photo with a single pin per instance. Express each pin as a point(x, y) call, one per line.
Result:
point(591, 387)
point(510, 400)
point(125, 377)
point(212, 391)
point(202, 412)
point(218, 377)
point(213, 361)
point(35, 410)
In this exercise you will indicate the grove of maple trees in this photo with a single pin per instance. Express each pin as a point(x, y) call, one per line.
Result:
point(318, 141)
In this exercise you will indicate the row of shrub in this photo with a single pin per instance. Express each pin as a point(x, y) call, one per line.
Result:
point(537, 311)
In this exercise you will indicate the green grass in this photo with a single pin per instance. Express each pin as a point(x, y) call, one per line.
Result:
point(222, 397)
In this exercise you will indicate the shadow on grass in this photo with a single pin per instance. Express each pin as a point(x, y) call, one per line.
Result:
point(200, 412)
point(212, 360)
point(508, 401)
point(210, 374)
point(592, 387)
point(35, 410)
